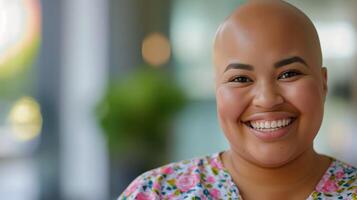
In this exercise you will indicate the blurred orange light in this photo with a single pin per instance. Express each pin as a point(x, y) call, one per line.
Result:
point(156, 49)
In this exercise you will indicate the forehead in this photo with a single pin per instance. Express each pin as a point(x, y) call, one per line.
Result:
point(266, 34)
point(261, 42)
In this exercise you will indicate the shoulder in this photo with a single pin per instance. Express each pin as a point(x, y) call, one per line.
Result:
point(339, 181)
point(180, 179)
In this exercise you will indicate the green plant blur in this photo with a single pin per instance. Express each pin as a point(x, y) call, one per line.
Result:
point(137, 111)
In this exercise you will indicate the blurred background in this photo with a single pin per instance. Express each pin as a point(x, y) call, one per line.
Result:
point(93, 93)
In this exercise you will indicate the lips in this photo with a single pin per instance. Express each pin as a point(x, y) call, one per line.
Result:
point(270, 126)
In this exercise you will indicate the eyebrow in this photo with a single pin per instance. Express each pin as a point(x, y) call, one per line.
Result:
point(239, 66)
point(278, 64)
point(290, 60)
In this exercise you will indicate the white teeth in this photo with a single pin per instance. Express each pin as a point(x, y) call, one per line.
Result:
point(286, 122)
point(270, 125)
point(280, 123)
point(261, 124)
point(267, 124)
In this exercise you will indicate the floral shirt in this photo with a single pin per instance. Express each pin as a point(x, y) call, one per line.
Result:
point(206, 178)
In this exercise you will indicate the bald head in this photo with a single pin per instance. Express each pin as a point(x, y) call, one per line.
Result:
point(270, 27)
point(268, 67)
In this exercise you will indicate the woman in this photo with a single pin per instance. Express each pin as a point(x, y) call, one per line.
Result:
point(270, 89)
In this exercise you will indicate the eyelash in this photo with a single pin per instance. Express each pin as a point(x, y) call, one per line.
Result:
point(289, 74)
point(241, 79)
point(284, 75)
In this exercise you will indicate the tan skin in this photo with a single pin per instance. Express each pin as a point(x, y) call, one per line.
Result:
point(269, 67)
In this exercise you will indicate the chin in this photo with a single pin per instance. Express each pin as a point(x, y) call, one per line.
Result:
point(272, 162)
point(272, 158)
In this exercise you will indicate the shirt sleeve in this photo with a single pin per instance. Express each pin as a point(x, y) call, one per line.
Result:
point(140, 189)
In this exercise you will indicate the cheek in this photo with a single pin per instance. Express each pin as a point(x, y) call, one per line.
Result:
point(306, 96)
point(230, 103)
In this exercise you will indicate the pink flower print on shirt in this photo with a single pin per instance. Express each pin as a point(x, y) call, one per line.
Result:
point(205, 178)
point(211, 179)
point(132, 187)
point(330, 186)
point(215, 193)
point(216, 164)
point(340, 174)
point(322, 182)
point(146, 196)
point(191, 169)
point(167, 170)
point(187, 182)
point(156, 186)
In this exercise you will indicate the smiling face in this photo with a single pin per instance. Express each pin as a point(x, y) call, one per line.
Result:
point(270, 86)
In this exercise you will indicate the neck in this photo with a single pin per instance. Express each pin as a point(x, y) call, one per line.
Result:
point(302, 173)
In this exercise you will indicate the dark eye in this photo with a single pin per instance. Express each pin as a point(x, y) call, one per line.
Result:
point(241, 79)
point(288, 74)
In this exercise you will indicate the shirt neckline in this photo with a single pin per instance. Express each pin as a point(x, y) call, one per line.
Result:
point(318, 187)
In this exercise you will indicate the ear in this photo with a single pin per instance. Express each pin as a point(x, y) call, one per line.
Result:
point(324, 81)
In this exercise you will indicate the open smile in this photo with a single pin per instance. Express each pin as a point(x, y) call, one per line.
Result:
point(270, 130)
point(270, 125)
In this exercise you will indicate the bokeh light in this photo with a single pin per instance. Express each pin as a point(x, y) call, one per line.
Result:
point(19, 33)
point(25, 119)
point(156, 49)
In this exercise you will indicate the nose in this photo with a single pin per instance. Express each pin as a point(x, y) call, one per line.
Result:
point(267, 95)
